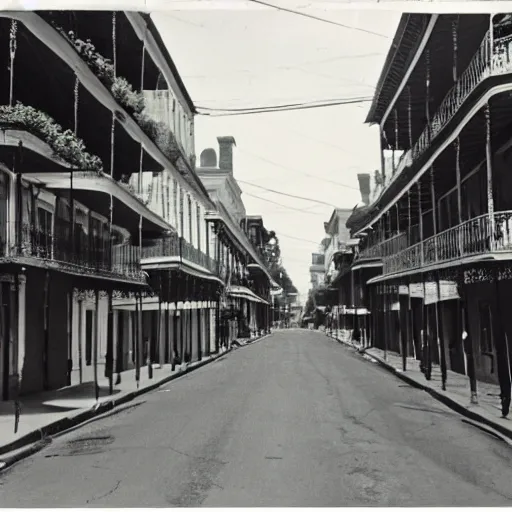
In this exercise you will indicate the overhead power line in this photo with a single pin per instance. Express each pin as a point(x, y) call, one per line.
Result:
point(311, 16)
point(285, 105)
point(296, 238)
point(296, 170)
point(219, 112)
point(281, 204)
point(288, 195)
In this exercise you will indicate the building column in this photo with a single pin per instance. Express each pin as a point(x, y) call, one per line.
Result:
point(488, 159)
point(199, 316)
point(22, 287)
point(95, 347)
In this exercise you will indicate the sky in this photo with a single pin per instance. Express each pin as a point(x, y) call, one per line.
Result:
point(262, 57)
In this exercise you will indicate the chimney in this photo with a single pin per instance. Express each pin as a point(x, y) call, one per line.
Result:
point(364, 187)
point(226, 152)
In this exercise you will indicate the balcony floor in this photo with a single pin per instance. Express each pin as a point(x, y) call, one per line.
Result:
point(458, 262)
point(82, 276)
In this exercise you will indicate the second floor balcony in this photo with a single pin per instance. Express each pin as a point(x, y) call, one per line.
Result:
point(80, 254)
point(482, 237)
point(177, 248)
point(385, 248)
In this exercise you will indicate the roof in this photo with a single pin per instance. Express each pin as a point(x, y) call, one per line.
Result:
point(358, 217)
point(165, 53)
point(403, 49)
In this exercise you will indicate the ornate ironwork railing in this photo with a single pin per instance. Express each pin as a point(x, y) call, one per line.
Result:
point(173, 245)
point(493, 58)
point(81, 253)
point(482, 65)
point(191, 253)
point(385, 248)
point(477, 236)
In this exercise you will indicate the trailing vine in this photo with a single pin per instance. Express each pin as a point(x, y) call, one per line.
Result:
point(132, 101)
point(122, 91)
point(65, 144)
point(103, 68)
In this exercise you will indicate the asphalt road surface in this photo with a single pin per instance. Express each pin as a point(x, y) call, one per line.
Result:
point(293, 420)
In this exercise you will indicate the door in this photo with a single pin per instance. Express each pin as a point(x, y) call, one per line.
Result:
point(450, 317)
point(44, 233)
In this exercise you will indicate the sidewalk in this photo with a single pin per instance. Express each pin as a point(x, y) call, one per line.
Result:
point(457, 395)
point(51, 412)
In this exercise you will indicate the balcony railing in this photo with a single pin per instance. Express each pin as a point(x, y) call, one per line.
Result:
point(481, 235)
point(385, 248)
point(485, 63)
point(85, 255)
point(173, 245)
point(191, 253)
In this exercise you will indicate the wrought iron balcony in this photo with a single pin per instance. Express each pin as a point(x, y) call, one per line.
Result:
point(191, 253)
point(385, 248)
point(493, 58)
point(485, 234)
point(81, 253)
point(173, 245)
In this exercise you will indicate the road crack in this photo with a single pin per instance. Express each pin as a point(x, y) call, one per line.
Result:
point(108, 493)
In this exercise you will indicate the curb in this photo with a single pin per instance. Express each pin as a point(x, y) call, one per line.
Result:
point(449, 402)
point(347, 343)
point(38, 439)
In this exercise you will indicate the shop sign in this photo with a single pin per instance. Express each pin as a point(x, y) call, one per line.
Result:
point(403, 290)
point(431, 295)
point(449, 290)
point(416, 290)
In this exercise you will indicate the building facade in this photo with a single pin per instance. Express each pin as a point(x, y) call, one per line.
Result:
point(245, 306)
point(113, 253)
point(440, 223)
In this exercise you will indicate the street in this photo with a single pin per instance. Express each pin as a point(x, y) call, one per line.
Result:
point(294, 420)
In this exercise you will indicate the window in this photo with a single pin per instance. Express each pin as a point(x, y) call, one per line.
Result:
point(207, 241)
point(43, 234)
point(254, 235)
point(182, 227)
point(99, 240)
point(62, 233)
point(190, 230)
point(486, 343)
point(81, 232)
point(175, 201)
point(198, 221)
point(168, 198)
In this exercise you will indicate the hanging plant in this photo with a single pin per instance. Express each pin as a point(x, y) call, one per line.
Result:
point(160, 135)
point(103, 69)
point(65, 144)
point(132, 101)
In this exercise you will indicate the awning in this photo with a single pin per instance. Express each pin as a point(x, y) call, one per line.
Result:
point(244, 293)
